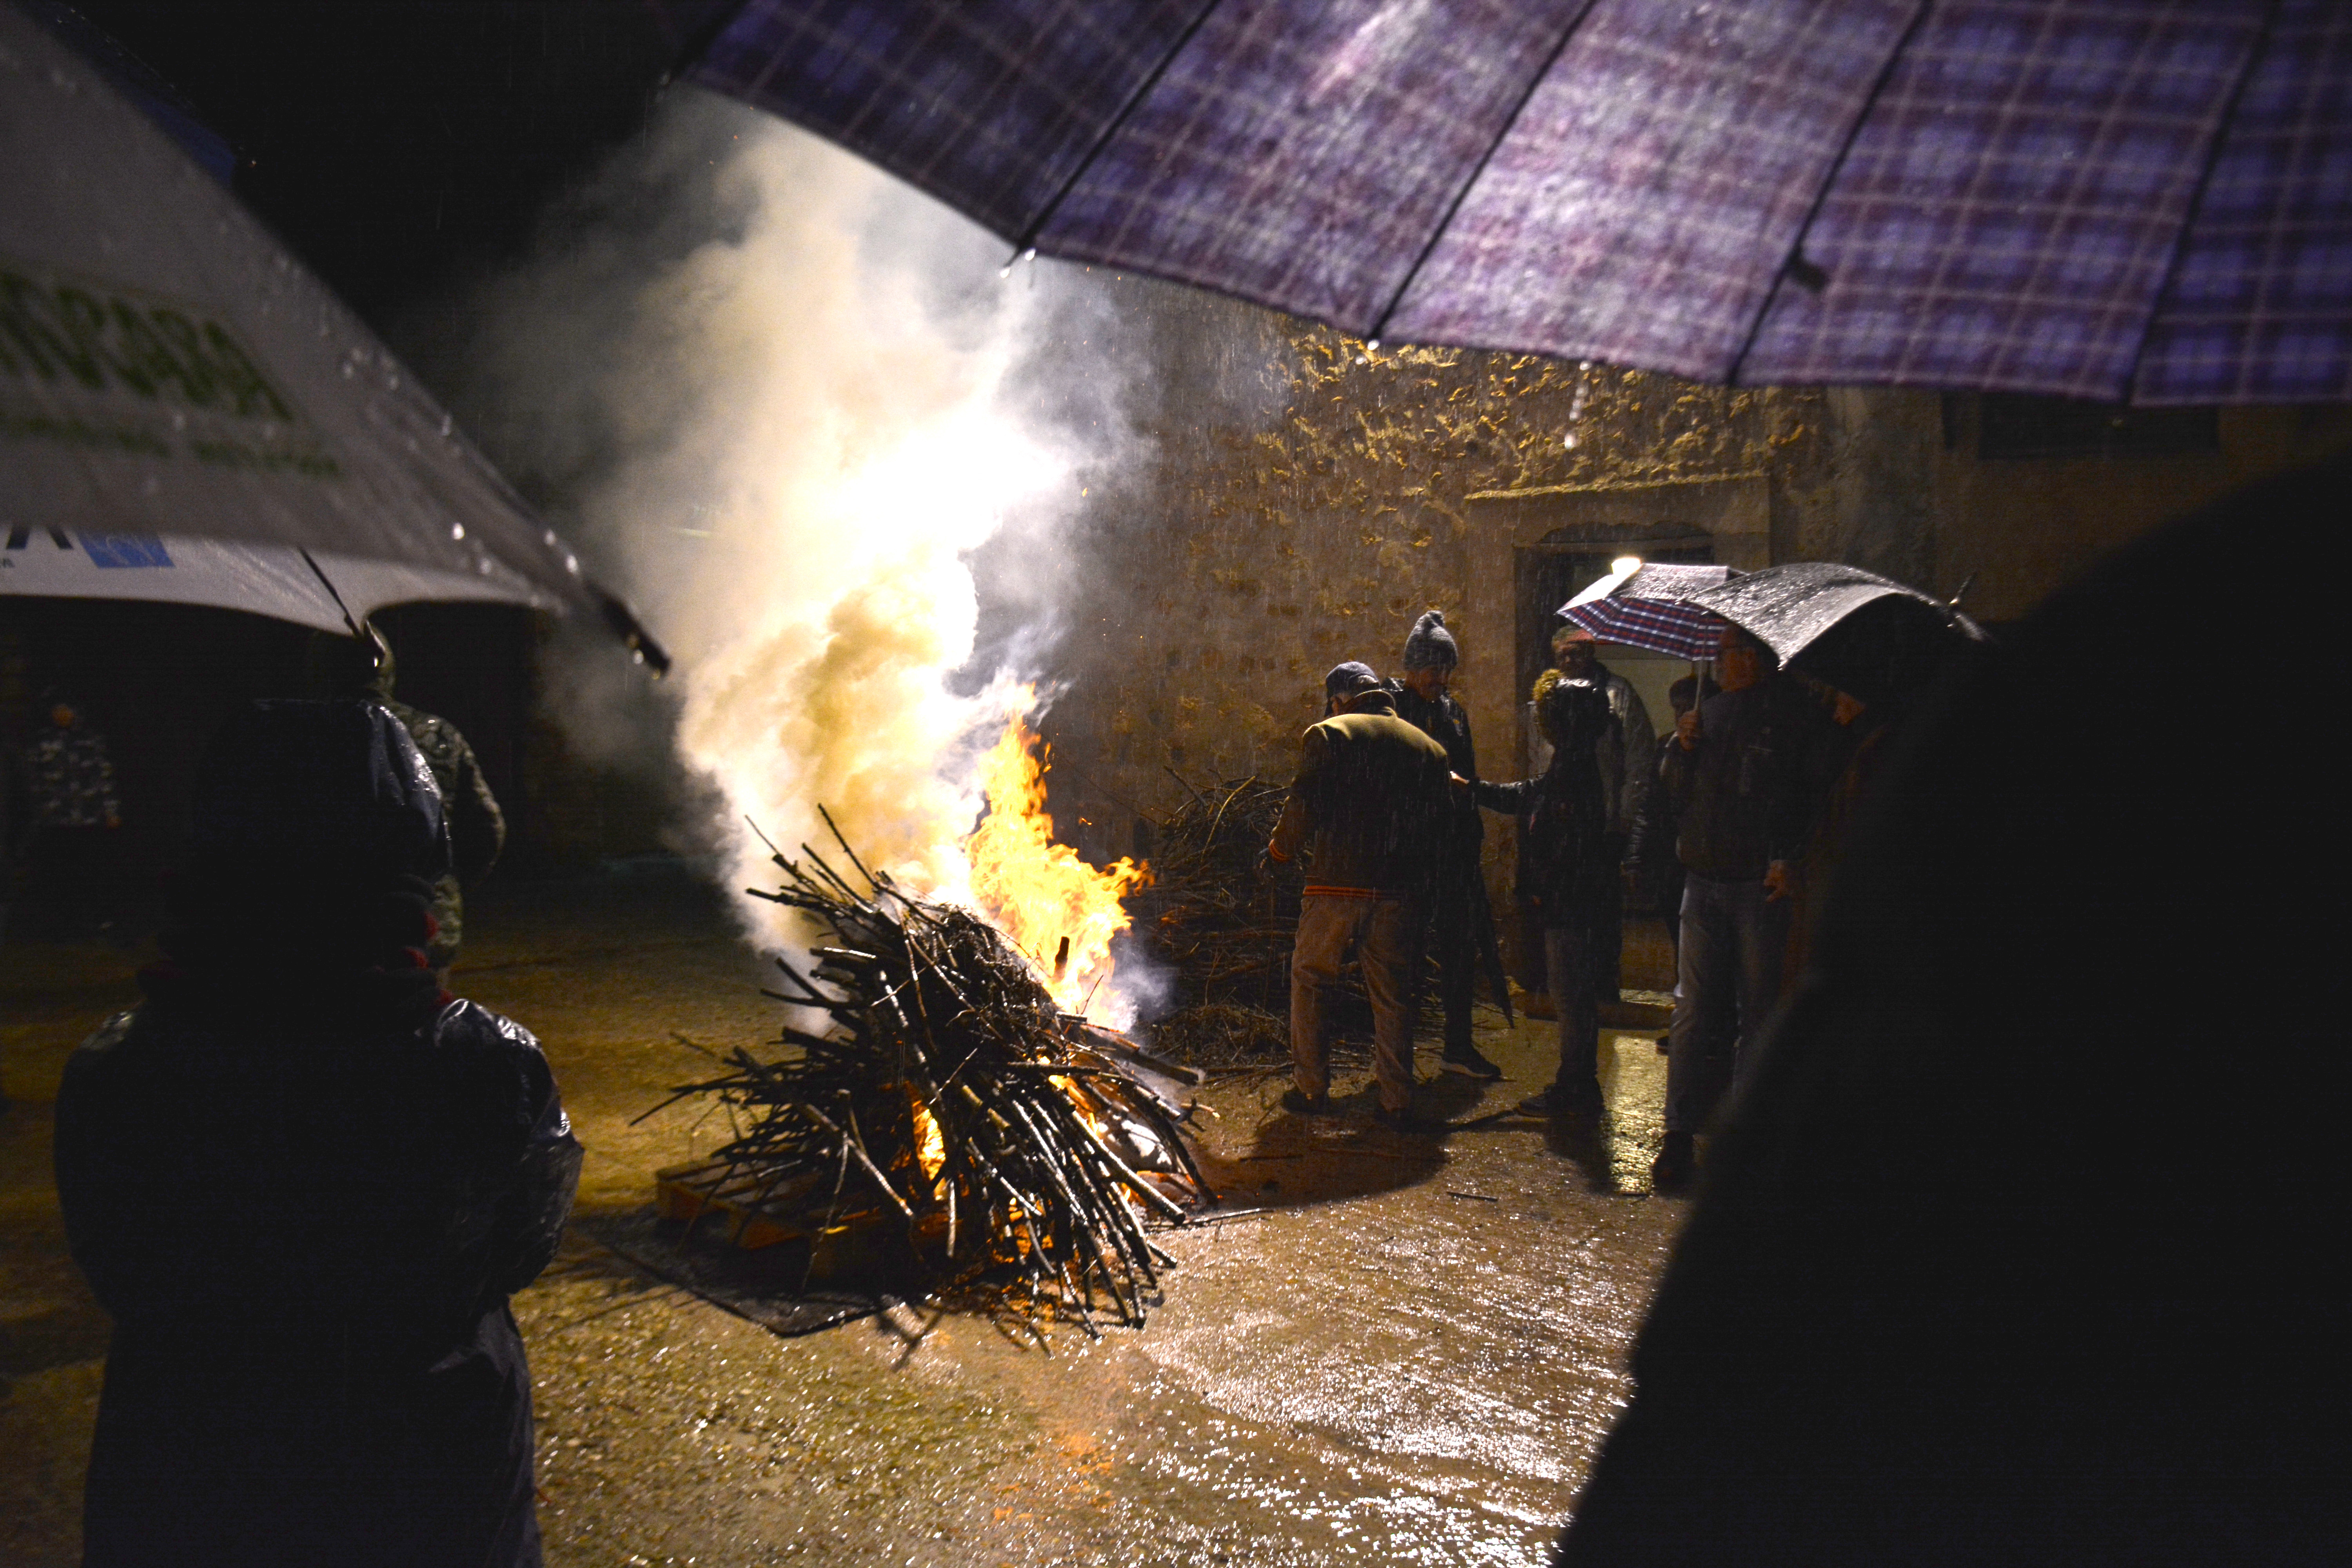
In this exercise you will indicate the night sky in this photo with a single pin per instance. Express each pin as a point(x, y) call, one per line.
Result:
point(398, 144)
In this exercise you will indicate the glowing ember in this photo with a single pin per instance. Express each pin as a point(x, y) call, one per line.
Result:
point(1058, 910)
point(931, 1144)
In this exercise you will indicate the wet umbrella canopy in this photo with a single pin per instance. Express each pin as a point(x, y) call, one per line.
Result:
point(1864, 634)
point(183, 409)
point(2139, 199)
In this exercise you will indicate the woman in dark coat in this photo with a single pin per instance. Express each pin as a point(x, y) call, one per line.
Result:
point(1565, 876)
point(304, 1181)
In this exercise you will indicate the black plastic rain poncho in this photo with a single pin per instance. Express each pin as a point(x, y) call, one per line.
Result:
point(304, 1181)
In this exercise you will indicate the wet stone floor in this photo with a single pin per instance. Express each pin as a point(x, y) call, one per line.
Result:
point(1406, 1354)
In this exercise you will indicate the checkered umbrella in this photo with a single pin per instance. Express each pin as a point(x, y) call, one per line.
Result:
point(2147, 200)
point(1649, 607)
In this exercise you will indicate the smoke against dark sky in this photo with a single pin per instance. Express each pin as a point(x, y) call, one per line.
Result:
point(783, 403)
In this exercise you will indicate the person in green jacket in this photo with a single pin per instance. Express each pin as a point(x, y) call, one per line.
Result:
point(348, 667)
point(1369, 802)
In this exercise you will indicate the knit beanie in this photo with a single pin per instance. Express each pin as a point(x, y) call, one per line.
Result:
point(1347, 679)
point(1430, 643)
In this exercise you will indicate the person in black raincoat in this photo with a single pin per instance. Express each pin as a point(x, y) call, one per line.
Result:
point(1568, 875)
point(304, 1181)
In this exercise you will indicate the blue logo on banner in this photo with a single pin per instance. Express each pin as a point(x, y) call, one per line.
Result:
point(124, 550)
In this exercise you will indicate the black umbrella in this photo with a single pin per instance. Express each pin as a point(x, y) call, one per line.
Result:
point(1865, 635)
point(2141, 199)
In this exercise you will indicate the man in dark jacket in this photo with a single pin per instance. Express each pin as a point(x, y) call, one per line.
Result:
point(1625, 760)
point(1371, 794)
point(1568, 875)
point(1458, 927)
point(1736, 778)
point(346, 667)
point(304, 1180)
point(1653, 872)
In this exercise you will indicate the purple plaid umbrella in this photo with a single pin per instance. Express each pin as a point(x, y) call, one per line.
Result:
point(1649, 607)
point(2147, 200)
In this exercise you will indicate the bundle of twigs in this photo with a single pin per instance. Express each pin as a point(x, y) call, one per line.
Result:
point(1226, 928)
point(1013, 1140)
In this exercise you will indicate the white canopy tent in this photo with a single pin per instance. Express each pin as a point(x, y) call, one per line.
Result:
point(185, 411)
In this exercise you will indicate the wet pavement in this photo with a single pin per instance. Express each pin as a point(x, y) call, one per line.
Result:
point(1403, 1349)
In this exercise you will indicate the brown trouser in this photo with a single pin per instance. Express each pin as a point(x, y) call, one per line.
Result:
point(1382, 929)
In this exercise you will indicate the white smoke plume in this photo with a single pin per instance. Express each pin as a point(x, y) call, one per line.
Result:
point(776, 397)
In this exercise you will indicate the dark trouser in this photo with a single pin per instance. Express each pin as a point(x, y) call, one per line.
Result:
point(1726, 980)
point(1451, 936)
point(1672, 907)
point(1609, 934)
point(1569, 955)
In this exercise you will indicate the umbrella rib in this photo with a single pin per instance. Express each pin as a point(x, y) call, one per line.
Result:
point(1462, 193)
point(1822, 192)
point(321, 573)
point(1036, 225)
point(2254, 54)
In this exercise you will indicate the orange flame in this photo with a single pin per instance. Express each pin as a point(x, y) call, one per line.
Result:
point(1039, 892)
point(931, 1142)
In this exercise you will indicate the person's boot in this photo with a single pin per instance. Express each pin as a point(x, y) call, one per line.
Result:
point(1577, 1101)
point(1466, 1059)
point(1299, 1104)
point(1676, 1165)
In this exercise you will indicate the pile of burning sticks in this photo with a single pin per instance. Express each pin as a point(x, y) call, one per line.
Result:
point(938, 1084)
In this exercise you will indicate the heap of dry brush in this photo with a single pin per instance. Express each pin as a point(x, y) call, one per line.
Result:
point(1016, 1143)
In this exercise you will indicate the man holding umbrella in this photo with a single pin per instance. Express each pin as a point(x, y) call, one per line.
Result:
point(1736, 779)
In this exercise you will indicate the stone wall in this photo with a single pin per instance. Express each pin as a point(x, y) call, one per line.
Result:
point(1306, 497)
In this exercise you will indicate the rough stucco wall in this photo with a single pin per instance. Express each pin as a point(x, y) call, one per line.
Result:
point(1306, 500)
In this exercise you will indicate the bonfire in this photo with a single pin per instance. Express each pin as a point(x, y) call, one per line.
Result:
point(936, 1079)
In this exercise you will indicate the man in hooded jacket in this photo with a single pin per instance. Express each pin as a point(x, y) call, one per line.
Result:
point(1457, 927)
point(304, 1181)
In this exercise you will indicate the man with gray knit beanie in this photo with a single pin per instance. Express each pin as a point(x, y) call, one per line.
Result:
point(1456, 923)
